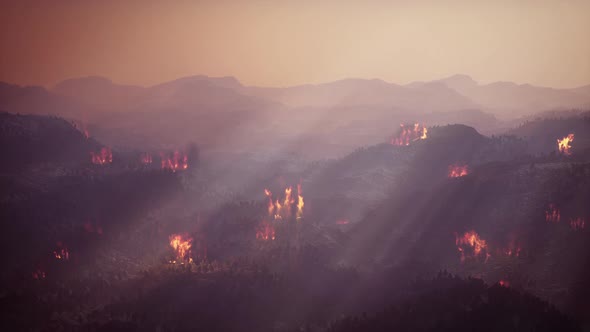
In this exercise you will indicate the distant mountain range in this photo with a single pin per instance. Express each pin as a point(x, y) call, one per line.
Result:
point(201, 93)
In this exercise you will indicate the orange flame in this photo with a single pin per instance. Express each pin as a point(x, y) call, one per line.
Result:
point(61, 252)
point(283, 209)
point(181, 243)
point(457, 171)
point(471, 244)
point(105, 156)
point(504, 283)
point(552, 213)
point(177, 161)
point(410, 134)
point(577, 224)
point(265, 231)
point(563, 145)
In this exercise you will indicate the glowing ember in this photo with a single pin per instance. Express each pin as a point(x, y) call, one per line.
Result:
point(552, 214)
point(300, 202)
point(457, 171)
point(105, 156)
point(181, 243)
point(563, 145)
point(410, 134)
point(504, 283)
point(61, 252)
point(265, 232)
point(283, 209)
point(471, 244)
point(146, 158)
point(577, 224)
point(175, 162)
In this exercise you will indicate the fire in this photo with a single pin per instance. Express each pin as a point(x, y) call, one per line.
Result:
point(471, 244)
point(577, 224)
point(563, 145)
point(146, 158)
point(61, 252)
point(410, 134)
point(38, 274)
point(342, 222)
point(105, 156)
point(457, 171)
point(552, 214)
point(300, 202)
point(181, 243)
point(176, 161)
point(265, 232)
point(283, 209)
point(504, 283)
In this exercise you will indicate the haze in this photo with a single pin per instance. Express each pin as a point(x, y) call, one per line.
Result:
point(296, 42)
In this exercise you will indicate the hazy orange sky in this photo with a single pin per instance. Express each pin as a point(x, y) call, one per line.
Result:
point(279, 43)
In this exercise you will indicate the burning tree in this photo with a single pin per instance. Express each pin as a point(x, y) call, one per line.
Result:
point(564, 144)
point(410, 134)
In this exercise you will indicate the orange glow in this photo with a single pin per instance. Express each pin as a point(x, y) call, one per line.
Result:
point(457, 171)
point(471, 244)
point(552, 213)
point(504, 283)
point(283, 209)
point(146, 158)
point(175, 162)
point(300, 202)
point(181, 243)
point(410, 134)
point(265, 232)
point(105, 156)
point(577, 224)
point(61, 252)
point(564, 144)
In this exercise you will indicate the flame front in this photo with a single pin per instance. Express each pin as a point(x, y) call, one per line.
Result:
point(283, 209)
point(105, 156)
point(457, 171)
point(175, 162)
point(61, 252)
point(410, 134)
point(471, 244)
point(564, 144)
point(265, 231)
point(181, 243)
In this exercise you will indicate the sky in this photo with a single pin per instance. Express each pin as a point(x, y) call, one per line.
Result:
point(283, 43)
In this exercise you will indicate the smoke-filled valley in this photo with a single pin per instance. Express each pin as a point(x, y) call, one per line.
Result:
point(358, 205)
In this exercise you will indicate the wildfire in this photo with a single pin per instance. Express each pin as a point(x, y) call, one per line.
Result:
point(282, 209)
point(563, 145)
point(105, 156)
point(504, 283)
point(176, 161)
point(471, 244)
point(410, 134)
point(181, 243)
point(146, 158)
point(577, 224)
point(61, 252)
point(457, 171)
point(265, 232)
point(342, 222)
point(38, 274)
point(552, 213)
